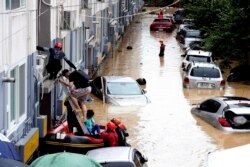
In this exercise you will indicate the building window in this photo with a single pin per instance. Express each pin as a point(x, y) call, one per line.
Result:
point(17, 98)
point(21, 90)
point(14, 4)
point(12, 97)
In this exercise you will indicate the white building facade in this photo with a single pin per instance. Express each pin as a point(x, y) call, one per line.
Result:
point(88, 29)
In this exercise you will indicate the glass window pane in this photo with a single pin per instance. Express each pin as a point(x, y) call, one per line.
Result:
point(123, 88)
point(23, 3)
point(12, 97)
point(7, 4)
point(15, 4)
point(22, 90)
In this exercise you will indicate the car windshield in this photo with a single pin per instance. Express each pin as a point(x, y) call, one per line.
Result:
point(198, 58)
point(205, 72)
point(123, 88)
point(162, 20)
point(115, 164)
point(193, 34)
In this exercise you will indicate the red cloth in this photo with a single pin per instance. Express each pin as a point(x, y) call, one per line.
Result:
point(160, 16)
point(162, 46)
point(110, 138)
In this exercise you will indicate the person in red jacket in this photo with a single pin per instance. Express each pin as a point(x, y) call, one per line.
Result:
point(162, 48)
point(160, 15)
point(121, 131)
point(110, 136)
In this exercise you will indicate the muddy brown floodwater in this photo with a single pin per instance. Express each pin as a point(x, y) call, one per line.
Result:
point(164, 130)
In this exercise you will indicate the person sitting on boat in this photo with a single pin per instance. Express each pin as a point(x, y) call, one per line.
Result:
point(93, 128)
point(109, 136)
point(121, 131)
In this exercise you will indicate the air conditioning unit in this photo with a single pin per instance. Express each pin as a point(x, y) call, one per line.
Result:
point(41, 61)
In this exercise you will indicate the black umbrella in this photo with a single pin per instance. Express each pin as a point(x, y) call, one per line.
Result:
point(4, 162)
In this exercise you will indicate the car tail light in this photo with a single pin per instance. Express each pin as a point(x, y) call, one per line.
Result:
point(186, 80)
point(223, 122)
point(222, 83)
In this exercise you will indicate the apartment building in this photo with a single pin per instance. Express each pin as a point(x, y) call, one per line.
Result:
point(30, 104)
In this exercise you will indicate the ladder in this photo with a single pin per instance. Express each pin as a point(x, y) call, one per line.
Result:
point(78, 115)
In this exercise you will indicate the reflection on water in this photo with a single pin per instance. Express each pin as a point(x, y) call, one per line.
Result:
point(164, 130)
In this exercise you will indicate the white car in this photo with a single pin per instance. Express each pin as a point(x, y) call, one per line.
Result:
point(118, 157)
point(191, 36)
point(196, 56)
point(232, 157)
point(203, 76)
point(119, 91)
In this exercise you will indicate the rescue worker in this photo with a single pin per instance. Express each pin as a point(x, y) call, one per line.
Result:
point(55, 59)
point(162, 48)
point(121, 131)
point(71, 118)
point(110, 136)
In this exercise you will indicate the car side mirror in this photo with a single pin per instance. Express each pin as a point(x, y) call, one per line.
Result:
point(198, 106)
point(143, 159)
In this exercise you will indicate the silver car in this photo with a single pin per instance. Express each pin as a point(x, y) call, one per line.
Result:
point(231, 157)
point(231, 114)
point(203, 76)
point(119, 90)
point(118, 157)
point(196, 56)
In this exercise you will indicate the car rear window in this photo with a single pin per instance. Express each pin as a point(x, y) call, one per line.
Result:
point(205, 72)
point(193, 34)
point(196, 58)
point(162, 20)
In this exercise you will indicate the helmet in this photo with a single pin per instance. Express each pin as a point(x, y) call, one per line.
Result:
point(116, 121)
point(111, 126)
point(58, 45)
point(122, 126)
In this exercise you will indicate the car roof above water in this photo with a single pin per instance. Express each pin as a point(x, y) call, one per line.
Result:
point(111, 154)
point(199, 53)
point(233, 100)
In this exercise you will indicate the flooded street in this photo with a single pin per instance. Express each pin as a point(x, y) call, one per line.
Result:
point(164, 130)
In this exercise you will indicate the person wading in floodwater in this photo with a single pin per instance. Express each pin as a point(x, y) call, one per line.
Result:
point(162, 48)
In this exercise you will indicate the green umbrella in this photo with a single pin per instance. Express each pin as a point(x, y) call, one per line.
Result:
point(64, 159)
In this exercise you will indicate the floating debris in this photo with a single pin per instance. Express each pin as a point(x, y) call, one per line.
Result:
point(129, 47)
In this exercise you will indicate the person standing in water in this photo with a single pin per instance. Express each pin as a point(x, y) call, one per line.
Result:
point(162, 48)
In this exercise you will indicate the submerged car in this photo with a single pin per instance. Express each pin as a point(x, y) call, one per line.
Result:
point(164, 24)
point(227, 113)
point(231, 157)
point(118, 157)
point(119, 90)
point(179, 15)
point(196, 56)
point(203, 76)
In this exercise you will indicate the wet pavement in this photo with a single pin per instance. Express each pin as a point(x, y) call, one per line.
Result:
point(164, 130)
